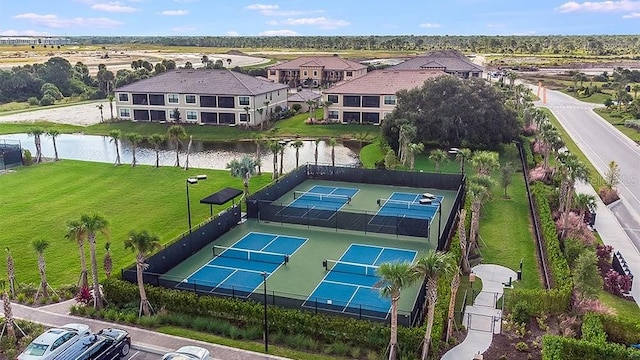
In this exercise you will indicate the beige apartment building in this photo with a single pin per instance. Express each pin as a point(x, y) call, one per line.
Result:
point(451, 62)
point(315, 71)
point(216, 97)
point(370, 98)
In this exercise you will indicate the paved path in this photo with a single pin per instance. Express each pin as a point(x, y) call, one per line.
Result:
point(482, 319)
point(142, 339)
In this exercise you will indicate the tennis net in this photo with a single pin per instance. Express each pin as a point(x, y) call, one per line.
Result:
point(251, 255)
point(349, 267)
point(401, 204)
point(321, 197)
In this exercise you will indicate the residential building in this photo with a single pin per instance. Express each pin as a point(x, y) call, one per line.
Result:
point(301, 97)
point(370, 98)
point(33, 40)
point(215, 96)
point(450, 61)
point(315, 71)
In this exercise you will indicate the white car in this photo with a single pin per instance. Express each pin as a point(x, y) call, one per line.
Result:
point(53, 341)
point(188, 353)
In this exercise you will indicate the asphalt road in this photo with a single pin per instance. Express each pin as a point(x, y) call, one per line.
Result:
point(602, 143)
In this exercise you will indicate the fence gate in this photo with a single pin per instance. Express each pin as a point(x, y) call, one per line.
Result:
point(483, 315)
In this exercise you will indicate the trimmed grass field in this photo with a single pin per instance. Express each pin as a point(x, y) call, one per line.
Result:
point(631, 133)
point(37, 202)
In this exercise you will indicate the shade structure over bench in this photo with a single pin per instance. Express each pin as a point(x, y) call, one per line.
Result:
point(221, 197)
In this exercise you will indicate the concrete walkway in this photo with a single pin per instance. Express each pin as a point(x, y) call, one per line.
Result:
point(482, 319)
point(142, 339)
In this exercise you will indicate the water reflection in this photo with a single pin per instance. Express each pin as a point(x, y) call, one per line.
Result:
point(204, 154)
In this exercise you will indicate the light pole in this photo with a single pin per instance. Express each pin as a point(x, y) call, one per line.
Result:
point(456, 151)
point(266, 326)
point(191, 181)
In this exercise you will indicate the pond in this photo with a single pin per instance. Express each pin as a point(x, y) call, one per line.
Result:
point(204, 154)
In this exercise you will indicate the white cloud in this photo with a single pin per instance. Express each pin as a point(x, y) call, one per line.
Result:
point(114, 7)
point(600, 6)
point(278, 33)
point(261, 7)
point(174, 12)
point(12, 32)
point(53, 21)
point(634, 15)
point(182, 29)
point(322, 22)
point(232, 33)
point(495, 26)
point(430, 25)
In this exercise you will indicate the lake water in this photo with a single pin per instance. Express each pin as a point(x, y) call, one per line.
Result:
point(204, 154)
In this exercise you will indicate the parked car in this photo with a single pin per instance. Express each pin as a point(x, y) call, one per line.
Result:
point(54, 341)
point(188, 353)
point(106, 344)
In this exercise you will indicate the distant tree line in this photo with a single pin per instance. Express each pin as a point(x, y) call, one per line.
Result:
point(551, 44)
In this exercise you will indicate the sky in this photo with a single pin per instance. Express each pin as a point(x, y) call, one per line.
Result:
point(326, 17)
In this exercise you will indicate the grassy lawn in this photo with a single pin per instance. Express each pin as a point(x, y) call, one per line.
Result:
point(38, 201)
point(624, 308)
point(16, 128)
point(618, 122)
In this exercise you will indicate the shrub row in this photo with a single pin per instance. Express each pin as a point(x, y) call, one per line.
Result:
point(528, 154)
point(561, 348)
point(620, 330)
point(538, 301)
point(324, 328)
point(592, 329)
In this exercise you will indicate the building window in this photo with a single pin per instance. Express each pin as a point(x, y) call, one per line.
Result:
point(334, 114)
point(349, 73)
point(245, 117)
point(389, 99)
point(140, 99)
point(351, 101)
point(304, 73)
point(125, 113)
point(156, 99)
point(371, 101)
point(243, 100)
point(373, 118)
point(332, 99)
point(351, 117)
point(208, 101)
point(172, 98)
point(272, 72)
point(227, 118)
point(123, 97)
point(192, 115)
point(190, 99)
point(227, 102)
point(315, 73)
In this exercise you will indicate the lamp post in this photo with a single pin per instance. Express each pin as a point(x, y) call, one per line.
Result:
point(191, 181)
point(266, 326)
point(457, 151)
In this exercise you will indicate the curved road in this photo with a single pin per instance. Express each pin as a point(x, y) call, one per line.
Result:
point(601, 142)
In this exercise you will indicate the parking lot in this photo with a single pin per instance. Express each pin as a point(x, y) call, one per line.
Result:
point(141, 355)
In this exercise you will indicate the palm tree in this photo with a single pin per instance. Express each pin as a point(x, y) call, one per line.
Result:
point(246, 111)
point(156, 140)
point(110, 97)
point(261, 111)
point(175, 134)
point(115, 136)
point(297, 144)
point(100, 107)
point(259, 140)
point(406, 135)
point(485, 162)
point(432, 266)
point(332, 143)
point(283, 146)
point(583, 203)
point(315, 154)
point(76, 232)
point(107, 261)
point(462, 155)
point(311, 104)
point(53, 134)
point(36, 132)
point(636, 89)
point(11, 272)
point(144, 244)
point(455, 285)
point(394, 277)
point(462, 237)
point(267, 112)
point(571, 170)
point(8, 312)
point(411, 151)
point(274, 147)
point(94, 224)
point(40, 245)
point(244, 169)
point(478, 191)
point(438, 156)
point(135, 139)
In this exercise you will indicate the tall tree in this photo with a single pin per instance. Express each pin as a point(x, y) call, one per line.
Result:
point(274, 147)
point(462, 156)
point(11, 272)
point(297, 144)
point(485, 162)
point(101, 107)
point(406, 136)
point(283, 147)
point(93, 225)
point(571, 169)
point(412, 150)
point(135, 139)
point(455, 284)
point(506, 175)
point(76, 232)
point(462, 237)
point(259, 140)
point(438, 156)
point(40, 245)
point(115, 136)
point(176, 133)
point(110, 97)
point(432, 266)
point(478, 191)
point(107, 261)
point(36, 132)
point(315, 154)
point(8, 313)
point(53, 134)
point(394, 276)
point(156, 140)
point(244, 169)
point(144, 244)
point(332, 143)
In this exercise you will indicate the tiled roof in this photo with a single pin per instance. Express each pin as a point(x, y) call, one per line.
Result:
point(383, 82)
point(451, 60)
point(328, 62)
point(303, 96)
point(205, 82)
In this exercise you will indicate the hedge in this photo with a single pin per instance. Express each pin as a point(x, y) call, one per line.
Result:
point(528, 154)
point(619, 330)
point(560, 348)
point(592, 329)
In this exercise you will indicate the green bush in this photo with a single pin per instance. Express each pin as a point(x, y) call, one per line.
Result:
point(619, 330)
point(27, 158)
point(528, 154)
point(561, 348)
point(521, 313)
point(47, 100)
point(33, 101)
point(592, 329)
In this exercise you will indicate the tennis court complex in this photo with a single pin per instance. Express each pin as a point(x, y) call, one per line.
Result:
point(242, 267)
point(350, 283)
point(320, 202)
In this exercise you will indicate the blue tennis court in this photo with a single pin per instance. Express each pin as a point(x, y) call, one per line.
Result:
point(415, 206)
point(319, 202)
point(351, 279)
point(238, 269)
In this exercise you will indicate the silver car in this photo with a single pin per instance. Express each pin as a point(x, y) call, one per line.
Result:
point(53, 341)
point(188, 353)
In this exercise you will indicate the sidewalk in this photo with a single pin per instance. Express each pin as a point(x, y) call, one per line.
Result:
point(482, 319)
point(142, 339)
point(611, 233)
